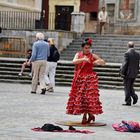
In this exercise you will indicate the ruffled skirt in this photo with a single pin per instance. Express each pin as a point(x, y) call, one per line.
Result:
point(84, 96)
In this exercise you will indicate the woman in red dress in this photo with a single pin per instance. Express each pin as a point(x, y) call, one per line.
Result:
point(84, 94)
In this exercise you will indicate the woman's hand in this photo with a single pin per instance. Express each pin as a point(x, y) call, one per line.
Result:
point(100, 62)
point(86, 59)
point(28, 63)
point(77, 60)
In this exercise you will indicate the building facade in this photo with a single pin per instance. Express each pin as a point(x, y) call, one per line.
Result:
point(90, 8)
point(19, 14)
point(60, 13)
point(20, 5)
point(123, 16)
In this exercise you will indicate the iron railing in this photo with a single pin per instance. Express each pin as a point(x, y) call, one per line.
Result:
point(118, 28)
point(18, 20)
point(115, 28)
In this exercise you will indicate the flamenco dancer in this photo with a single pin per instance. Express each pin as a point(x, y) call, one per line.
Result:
point(84, 93)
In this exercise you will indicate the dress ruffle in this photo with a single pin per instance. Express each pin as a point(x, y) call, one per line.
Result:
point(84, 95)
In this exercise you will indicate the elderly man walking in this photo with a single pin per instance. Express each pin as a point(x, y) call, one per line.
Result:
point(129, 71)
point(40, 53)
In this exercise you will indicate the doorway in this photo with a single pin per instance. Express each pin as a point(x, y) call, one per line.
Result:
point(63, 17)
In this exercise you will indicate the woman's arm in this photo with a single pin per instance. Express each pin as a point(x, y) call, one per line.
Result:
point(77, 60)
point(98, 60)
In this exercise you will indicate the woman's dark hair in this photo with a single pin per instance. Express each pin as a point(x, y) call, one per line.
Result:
point(29, 50)
point(87, 41)
point(83, 44)
point(46, 40)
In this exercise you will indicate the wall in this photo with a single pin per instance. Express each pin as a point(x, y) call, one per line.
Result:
point(27, 3)
point(75, 3)
point(62, 39)
point(90, 25)
point(20, 5)
point(133, 26)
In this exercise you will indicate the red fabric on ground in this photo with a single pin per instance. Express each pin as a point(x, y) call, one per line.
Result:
point(127, 126)
point(38, 129)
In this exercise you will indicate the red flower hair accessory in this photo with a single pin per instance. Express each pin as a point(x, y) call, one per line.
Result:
point(89, 41)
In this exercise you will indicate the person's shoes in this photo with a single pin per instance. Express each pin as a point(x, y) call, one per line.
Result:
point(30, 74)
point(47, 85)
point(33, 92)
point(135, 101)
point(43, 91)
point(84, 119)
point(126, 104)
point(50, 89)
point(71, 128)
point(20, 74)
point(91, 118)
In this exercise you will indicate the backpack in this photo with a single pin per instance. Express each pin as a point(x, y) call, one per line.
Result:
point(56, 55)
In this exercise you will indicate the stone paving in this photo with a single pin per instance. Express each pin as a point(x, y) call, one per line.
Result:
point(20, 111)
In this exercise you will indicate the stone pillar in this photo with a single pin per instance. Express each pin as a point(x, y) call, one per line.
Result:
point(78, 22)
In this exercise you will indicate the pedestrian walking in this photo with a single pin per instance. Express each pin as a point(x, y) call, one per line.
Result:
point(40, 53)
point(51, 66)
point(129, 71)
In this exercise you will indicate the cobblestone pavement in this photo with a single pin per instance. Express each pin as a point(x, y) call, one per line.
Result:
point(20, 111)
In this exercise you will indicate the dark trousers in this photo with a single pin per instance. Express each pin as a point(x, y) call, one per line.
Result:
point(129, 90)
point(102, 25)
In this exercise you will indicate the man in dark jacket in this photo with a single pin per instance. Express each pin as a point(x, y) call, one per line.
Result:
point(129, 71)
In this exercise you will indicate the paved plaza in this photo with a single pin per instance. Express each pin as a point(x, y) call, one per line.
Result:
point(20, 111)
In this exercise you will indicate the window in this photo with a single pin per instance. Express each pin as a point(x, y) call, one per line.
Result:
point(126, 9)
point(93, 16)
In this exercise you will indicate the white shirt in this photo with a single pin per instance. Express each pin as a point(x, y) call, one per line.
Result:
point(102, 16)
